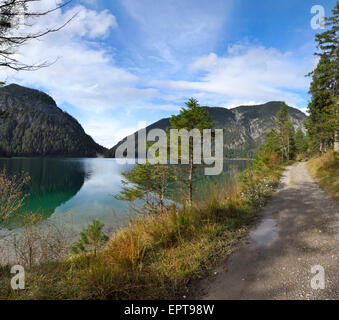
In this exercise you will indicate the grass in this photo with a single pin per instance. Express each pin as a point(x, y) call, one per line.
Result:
point(325, 171)
point(156, 257)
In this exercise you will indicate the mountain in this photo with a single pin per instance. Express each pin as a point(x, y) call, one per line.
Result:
point(244, 127)
point(31, 124)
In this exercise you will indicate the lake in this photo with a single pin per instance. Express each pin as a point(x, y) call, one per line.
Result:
point(79, 190)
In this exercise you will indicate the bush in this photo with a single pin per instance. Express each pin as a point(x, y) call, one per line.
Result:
point(11, 193)
point(158, 255)
point(91, 239)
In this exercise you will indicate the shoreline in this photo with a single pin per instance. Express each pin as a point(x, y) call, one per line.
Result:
point(160, 254)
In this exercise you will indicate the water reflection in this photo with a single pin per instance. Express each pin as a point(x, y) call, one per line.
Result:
point(83, 189)
point(96, 197)
point(53, 182)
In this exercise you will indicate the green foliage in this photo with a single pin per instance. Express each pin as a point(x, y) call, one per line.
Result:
point(91, 238)
point(281, 141)
point(237, 126)
point(272, 142)
point(291, 142)
point(285, 134)
point(155, 257)
point(323, 120)
point(259, 179)
point(3, 151)
point(281, 145)
point(148, 183)
point(191, 117)
point(32, 125)
point(301, 144)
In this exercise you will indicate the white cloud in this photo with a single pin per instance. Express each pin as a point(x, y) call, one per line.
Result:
point(85, 23)
point(246, 73)
point(242, 103)
point(91, 23)
point(166, 107)
point(304, 110)
point(84, 73)
point(176, 34)
point(107, 131)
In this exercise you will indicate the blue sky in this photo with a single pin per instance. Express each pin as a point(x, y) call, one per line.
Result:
point(125, 61)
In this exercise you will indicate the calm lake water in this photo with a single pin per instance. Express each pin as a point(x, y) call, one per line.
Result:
point(80, 190)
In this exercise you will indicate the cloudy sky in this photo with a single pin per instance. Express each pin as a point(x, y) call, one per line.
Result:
point(124, 61)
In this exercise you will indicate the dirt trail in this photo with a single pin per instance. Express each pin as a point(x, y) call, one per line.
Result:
point(299, 229)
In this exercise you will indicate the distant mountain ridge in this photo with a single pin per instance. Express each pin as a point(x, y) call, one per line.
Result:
point(31, 124)
point(244, 127)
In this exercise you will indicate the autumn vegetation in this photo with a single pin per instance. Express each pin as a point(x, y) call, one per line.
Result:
point(165, 248)
point(170, 244)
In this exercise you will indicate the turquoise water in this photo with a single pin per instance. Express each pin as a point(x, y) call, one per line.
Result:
point(79, 190)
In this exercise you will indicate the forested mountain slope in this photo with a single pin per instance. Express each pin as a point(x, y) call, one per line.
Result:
point(244, 127)
point(31, 124)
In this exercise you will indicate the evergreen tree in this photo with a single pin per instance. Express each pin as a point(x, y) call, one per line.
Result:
point(191, 117)
point(283, 132)
point(323, 121)
point(91, 238)
point(281, 141)
point(272, 142)
point(32, 125)
point(291, 142)
point(150, 184)
point(300, 142)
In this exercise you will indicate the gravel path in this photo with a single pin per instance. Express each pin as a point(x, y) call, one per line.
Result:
point(299, 229)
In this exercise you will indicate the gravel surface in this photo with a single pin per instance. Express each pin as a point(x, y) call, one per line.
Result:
point(299, 230)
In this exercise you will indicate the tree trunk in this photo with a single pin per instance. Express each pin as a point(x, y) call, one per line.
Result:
point(336, 133)
point(190, 180)
point(336, 140)
point(30, 256)
point(161, 201)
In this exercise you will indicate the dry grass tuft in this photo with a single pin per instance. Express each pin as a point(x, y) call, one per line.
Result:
point(325, 171)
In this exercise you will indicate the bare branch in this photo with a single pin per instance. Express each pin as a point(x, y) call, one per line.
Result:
point(9, 44)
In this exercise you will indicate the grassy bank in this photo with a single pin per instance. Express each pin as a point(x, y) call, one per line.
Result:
point(156, 257)
point(325, 171)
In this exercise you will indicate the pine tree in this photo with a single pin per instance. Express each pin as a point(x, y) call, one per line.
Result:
point(300, 142)
point(91, 238)
point(291, 141)
point(271, 144)
point(323, 122)
point(192, 117)
point(283, 137)
point(150, 184)
point(283, 132)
